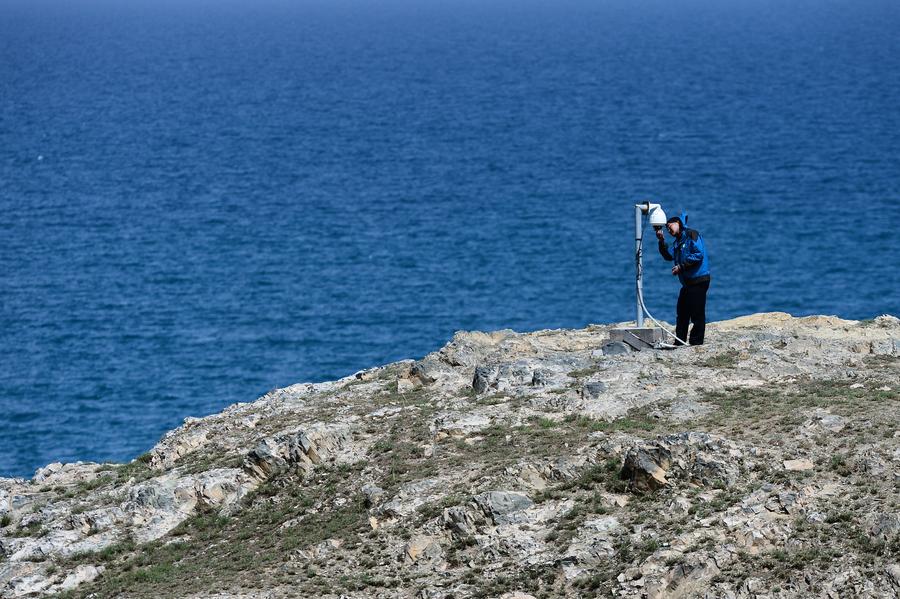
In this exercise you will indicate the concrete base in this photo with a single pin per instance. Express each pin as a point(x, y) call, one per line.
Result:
point(638, 338)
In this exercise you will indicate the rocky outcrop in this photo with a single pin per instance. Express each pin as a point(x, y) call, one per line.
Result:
point(553, 463)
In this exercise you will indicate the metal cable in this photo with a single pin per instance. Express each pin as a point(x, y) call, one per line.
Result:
point(640, 294)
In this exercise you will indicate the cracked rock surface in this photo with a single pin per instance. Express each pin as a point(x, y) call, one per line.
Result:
point(763, 464)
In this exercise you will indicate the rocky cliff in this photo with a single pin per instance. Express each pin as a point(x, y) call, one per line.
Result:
point(548, 464)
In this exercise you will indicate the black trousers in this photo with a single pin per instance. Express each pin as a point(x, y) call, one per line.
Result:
point(692, 309)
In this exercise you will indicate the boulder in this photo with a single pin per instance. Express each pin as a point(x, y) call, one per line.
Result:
point(503, 506)
point(301, 450)
point(645, 468)
point(593, 390)
point(461, 520)
point(485, 377)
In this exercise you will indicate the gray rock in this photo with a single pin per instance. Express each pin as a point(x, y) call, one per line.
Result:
point(593, 390)
point(539, 378)
point(789, 501)
point(616, 348)
point(645, 468)
point(503, 506)
point(42, 474)
point(421, 548)
point(300, 451)
point(459, 424)
point(150, 496)
point(410, 497)
point(374, 495)
point(418, 372)
point(887, 526)
point(484, 378)
point(81, 574)
point(460, 520)
point(893, 570)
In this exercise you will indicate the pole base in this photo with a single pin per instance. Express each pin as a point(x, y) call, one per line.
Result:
point(638, 338)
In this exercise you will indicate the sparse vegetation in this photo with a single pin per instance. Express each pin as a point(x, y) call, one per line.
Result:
point(726, 359)
point(326, 529)
point(138, 468)
point(281, 517)
point(584, 373)
point(753, 412)
point(635, 421)
point(31, 529)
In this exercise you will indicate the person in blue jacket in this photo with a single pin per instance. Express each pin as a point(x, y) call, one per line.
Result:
point(692, 268)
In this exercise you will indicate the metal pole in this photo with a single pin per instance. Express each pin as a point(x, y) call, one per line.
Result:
point(639, 287)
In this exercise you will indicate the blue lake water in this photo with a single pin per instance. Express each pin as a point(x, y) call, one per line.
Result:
point(202, 201)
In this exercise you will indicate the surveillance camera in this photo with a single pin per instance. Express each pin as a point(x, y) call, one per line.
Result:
point(657, 216)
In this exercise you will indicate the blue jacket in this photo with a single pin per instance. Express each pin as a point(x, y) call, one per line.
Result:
point(689, 252)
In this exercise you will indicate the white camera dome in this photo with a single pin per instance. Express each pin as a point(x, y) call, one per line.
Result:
point(657, 216)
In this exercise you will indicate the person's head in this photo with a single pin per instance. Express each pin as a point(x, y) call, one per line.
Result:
point(674, 226)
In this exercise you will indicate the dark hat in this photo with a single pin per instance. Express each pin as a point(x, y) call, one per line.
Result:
point(674, 219)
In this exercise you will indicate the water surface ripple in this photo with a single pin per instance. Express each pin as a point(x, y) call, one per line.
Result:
point(204, 201)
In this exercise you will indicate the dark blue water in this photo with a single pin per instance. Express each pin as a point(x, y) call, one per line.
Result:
point(200, 201)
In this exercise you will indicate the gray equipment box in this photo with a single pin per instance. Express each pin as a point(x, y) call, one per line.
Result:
point(638, 338)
